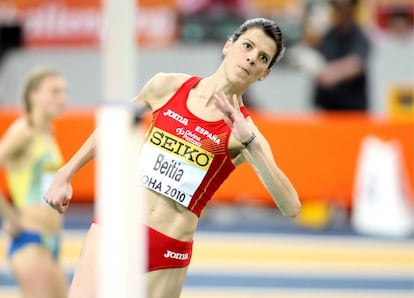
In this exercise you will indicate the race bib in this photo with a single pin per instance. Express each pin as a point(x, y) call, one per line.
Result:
point(173, 167)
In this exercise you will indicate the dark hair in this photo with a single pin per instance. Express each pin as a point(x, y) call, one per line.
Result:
point(270, 28)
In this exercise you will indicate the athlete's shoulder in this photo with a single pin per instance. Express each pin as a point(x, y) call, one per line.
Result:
point(21, 129)
point(15, 138)
point(169, 82)
point(160, 87)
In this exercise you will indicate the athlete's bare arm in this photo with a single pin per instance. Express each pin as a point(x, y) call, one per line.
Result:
point(259, 155)
point(60, 191)
point(153, 95)
point(12, 146)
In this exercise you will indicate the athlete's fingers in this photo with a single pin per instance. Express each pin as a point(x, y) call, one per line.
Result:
point(218, 101)
point(236, 103)
point(63, 206)
point(66, 202)
point(57, 205)
point(59, 208)
point(223, 104)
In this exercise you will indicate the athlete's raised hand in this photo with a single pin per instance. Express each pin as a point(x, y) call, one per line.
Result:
point(233, 116)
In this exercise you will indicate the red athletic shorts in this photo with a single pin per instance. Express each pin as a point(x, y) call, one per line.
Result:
point(165, 252)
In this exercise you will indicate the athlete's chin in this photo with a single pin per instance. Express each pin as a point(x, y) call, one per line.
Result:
point(241, 81)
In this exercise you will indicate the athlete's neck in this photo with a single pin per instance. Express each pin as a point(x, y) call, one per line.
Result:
point(214, 85)
point(39, 121)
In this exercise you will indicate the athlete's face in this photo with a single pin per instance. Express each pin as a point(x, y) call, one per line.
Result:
point(50, 97)
point(247, 59)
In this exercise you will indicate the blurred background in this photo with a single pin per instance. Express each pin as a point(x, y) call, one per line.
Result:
point(352, 166)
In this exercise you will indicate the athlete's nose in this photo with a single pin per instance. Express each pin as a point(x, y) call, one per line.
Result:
point(250, 60)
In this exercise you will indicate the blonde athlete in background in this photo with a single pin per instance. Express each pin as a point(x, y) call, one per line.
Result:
point(200, 132)
point(30, 155)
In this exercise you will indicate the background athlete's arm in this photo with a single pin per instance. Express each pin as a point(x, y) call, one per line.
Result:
point(12, 143)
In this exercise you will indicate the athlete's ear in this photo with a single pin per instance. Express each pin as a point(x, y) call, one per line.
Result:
point(226, 46)
point(264, 76)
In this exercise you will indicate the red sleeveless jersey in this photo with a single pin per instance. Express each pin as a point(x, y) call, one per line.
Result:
point(184, 157)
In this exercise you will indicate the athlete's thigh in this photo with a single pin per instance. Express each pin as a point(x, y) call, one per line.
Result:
point(30, 257)
point(84, 279)
point(166, 283)
point(34, 265)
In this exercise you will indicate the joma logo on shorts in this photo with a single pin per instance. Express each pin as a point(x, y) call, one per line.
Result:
point(175, 255)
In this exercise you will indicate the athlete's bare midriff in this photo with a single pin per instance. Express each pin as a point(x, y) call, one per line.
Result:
point(42, 219)
point(169, 217)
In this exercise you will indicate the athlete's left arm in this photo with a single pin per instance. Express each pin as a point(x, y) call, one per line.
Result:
point(258, 154)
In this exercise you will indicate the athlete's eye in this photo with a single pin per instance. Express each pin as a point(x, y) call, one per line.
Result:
point(247, 45)
point(264, 58)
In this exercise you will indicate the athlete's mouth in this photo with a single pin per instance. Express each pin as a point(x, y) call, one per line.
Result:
point(245, 69)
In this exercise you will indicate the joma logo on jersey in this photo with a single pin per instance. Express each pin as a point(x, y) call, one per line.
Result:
point(180, 148)
point(176, 117)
